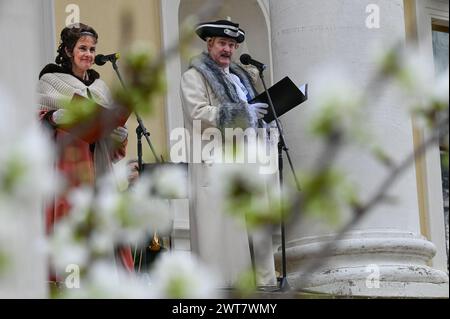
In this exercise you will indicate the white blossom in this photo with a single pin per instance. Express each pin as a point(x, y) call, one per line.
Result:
point(106, 280)
point(251, 197)
point(440, 90)
point(25, 157)
point(118, 178)
point(415, 75)
point(26, 167)
point(170, 181)
point(66, 249)
point(148, 210)
point(180, 275)
point(336, 102)
point(81, 200)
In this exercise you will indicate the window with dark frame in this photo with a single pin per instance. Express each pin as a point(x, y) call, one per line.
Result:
point(441, 63)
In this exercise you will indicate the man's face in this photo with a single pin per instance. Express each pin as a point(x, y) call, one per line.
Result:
point(221, 50)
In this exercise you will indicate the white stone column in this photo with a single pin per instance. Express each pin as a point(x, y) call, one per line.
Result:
point(387, 243)
point(28, 43)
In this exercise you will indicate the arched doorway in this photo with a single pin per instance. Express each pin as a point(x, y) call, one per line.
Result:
point(254, 19)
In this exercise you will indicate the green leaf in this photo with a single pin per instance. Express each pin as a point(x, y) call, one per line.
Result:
point(246, 285)
point(15, 169)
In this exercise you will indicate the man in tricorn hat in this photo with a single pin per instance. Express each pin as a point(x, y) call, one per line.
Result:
point(215, 92)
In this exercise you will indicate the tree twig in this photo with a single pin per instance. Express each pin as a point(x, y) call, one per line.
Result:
point(361, 211)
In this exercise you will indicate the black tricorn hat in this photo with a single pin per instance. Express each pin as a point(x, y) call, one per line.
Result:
point(220, 28)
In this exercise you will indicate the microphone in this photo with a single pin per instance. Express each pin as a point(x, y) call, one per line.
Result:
point(101, 59)
point(247, 59)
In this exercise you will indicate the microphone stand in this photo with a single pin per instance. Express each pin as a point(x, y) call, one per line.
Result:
point(141, 130)
point(282, 146)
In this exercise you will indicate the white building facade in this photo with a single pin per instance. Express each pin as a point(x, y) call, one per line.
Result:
point(402, 246)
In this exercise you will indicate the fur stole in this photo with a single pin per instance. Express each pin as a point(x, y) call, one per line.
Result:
point(232, 111)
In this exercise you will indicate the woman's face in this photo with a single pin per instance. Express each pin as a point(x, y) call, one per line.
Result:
point(83, 55)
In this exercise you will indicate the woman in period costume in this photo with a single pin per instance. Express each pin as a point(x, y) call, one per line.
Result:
point(80, 162)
